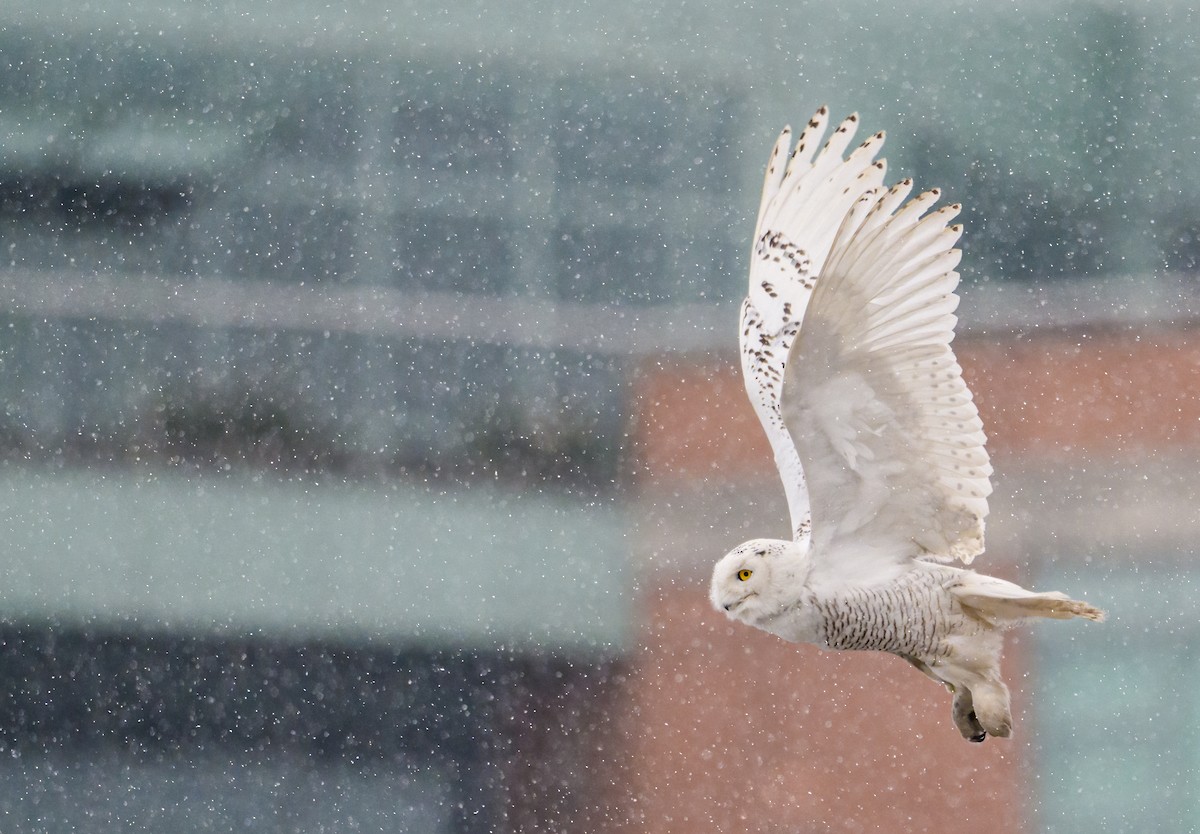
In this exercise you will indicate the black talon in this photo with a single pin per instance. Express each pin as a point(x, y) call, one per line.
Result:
point(978, 738)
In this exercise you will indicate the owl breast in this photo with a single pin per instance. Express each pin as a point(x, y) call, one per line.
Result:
point(912, 616)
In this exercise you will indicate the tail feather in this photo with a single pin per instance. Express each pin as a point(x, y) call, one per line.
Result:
point(996, 599)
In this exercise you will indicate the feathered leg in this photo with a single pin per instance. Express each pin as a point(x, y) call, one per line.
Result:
point(963, 710)
point(981, 702)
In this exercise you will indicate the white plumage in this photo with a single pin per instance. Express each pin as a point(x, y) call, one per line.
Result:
point(845, 346)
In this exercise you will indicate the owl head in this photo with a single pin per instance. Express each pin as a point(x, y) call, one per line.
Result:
point(747, 581)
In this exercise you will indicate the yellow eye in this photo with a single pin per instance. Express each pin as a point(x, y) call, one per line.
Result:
point(745, 574)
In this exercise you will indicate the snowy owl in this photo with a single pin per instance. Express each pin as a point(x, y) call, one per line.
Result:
point(845, 347)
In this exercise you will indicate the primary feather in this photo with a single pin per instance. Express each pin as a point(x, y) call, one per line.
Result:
point(845, 346)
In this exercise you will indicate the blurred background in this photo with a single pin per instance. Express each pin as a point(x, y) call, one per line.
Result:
point(371, 420)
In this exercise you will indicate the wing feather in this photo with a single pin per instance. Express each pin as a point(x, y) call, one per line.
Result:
point(775, 171)
point(888, 434)
point(805, 204)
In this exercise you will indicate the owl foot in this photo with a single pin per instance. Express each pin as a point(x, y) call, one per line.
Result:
point(965, 719)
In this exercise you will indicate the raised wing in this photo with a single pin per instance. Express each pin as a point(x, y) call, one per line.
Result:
point(807, 192)
point(874, 399)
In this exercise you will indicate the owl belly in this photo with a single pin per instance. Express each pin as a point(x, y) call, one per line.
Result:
point(913, 616)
